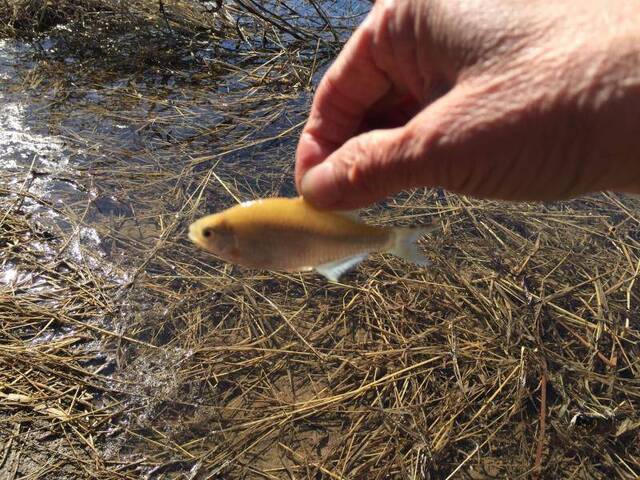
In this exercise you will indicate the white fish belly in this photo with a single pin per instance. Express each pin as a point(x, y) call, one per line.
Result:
point(293, 250)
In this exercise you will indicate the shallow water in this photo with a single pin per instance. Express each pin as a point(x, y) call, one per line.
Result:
point(127, 353)
point(108, 171)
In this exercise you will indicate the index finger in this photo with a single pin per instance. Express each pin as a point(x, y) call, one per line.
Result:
point(351, 86)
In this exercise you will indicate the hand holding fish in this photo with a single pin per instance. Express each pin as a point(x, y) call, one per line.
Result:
point(509, 99)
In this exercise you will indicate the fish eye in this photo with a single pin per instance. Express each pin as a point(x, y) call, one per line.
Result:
point(207, 233)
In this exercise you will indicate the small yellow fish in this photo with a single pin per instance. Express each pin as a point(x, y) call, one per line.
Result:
point(288, 234)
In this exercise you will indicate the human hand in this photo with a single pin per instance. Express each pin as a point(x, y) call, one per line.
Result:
point(509, 99)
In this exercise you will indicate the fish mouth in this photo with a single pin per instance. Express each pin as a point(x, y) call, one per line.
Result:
point(192, 234)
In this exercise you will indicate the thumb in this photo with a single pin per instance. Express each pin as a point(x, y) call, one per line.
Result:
point(373, 165)
point(363, 170)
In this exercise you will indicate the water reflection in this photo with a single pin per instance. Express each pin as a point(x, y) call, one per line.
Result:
point(100, 172)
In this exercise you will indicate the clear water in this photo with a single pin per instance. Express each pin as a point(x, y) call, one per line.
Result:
point(101, 166)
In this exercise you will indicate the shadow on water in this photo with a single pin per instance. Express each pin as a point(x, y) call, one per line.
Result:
point(127, 353)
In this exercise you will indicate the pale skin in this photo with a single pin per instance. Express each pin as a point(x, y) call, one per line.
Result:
point(506, 99)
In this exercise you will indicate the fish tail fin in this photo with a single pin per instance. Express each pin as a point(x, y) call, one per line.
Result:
point(405, 244)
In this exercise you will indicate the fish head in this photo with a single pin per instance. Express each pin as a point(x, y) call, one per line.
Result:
point(216, 235)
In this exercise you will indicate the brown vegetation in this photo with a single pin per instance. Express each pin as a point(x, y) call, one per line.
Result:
point(514, 355)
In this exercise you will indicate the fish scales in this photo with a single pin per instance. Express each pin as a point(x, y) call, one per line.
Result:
point(291, 235)
point(288, 234)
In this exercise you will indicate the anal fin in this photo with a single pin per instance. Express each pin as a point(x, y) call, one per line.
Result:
point(334, 270)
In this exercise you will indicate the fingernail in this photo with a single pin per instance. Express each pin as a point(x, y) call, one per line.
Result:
point(320, 186)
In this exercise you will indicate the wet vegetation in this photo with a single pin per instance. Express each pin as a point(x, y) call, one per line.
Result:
point(126, 353)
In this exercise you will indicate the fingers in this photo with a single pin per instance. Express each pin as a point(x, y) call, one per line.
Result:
point(364, 170)
point(373, 165)
point(350, 87)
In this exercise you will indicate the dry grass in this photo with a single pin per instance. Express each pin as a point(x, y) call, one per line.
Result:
point(514, 355)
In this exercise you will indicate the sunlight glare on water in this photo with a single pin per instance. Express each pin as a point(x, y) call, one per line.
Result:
point(19, 144)
point(36, 174)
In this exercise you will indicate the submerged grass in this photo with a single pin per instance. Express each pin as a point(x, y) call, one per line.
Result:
point(515, 355)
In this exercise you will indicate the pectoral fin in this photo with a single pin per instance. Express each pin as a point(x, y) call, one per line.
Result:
point(334, 270)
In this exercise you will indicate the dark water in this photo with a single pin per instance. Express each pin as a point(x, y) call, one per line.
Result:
point(68, 143)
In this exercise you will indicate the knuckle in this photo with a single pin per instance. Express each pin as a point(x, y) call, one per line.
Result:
point(378, 163)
